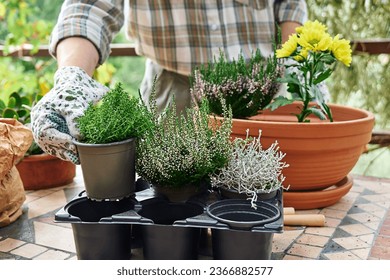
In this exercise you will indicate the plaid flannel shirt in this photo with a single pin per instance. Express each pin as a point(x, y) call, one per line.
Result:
point(179, 34)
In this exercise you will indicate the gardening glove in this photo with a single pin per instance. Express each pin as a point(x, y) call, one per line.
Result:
point(53, 117)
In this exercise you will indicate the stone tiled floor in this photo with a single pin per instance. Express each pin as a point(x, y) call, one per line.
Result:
point(357, 227)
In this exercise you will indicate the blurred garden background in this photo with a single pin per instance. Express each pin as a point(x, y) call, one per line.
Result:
point(366, 84)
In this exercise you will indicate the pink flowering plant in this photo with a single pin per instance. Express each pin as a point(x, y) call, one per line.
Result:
point(313, 54)
point(247, 86)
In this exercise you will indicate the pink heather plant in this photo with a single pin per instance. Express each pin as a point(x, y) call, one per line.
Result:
point(246, 86)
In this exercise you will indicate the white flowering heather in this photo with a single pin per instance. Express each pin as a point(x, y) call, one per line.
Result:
point(247, 86)
point(184, 150)
point(252, 170)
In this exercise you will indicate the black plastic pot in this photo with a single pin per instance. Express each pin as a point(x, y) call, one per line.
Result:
point(162, 240)
point(95, 237)
point(239, 242)
point(239, 213)
point(108, 169)
point(241, 245)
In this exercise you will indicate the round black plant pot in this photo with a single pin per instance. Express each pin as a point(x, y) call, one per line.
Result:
point(239, 242)
point(108, 169)
point(239, 213)
point(162, 240)
point(95, 239)
point(241, 245)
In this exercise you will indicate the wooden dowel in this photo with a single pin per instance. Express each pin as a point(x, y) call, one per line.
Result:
point(316, 220)
point(288, 211)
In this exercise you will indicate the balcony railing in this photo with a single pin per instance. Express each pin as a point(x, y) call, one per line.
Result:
point(368, 46)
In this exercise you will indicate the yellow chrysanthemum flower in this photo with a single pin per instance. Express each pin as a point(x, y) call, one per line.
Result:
point(288, 47)
point(315, 40)
point(341, 49)
point(302, 55)
point(312, 25)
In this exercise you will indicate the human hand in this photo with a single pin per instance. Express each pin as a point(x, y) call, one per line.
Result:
point(53, 118)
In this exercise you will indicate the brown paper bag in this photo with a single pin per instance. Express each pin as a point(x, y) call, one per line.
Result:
point(12, 197)
point(15, 139)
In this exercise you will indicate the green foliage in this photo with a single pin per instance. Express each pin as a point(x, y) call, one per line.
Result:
point(118, 116)
point(22, 27)
point(19, 107)
point(130, 70)
point(246, 86)
point(183, 149)
point(365, 83)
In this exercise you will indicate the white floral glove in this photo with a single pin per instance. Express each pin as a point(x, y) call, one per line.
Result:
point(53, 117)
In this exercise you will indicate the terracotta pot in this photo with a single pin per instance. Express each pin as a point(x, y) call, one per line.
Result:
point(45, 171)
point(320, 153)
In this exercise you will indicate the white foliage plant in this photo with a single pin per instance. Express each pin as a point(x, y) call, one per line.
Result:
point(251, 169)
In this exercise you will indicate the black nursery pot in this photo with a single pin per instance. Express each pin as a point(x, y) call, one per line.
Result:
point(94, 238)
point(241, 245)
point(240, 241)
point(108, 169)
point(162, 240)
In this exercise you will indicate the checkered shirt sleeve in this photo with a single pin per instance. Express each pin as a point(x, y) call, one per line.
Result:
point(97, 21)
point(178, 34)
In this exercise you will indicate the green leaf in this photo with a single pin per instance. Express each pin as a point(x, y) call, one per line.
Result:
point(26, 101)
point(327, 58)
point(15, 101)
point(295, 89)
point(290, 79)
point(317, 112)
point(328, 111)
point(316, 94)
point(323, 76)
point(10, 113)
point(2, 105)
point(279, 102)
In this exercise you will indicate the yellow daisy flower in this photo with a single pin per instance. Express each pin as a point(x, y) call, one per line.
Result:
point(302, 55)
point(288, 47)
point(312, 25)
point(341, 49)
point(315, 40)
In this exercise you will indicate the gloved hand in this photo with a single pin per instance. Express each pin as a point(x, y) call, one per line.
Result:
point(53, 117)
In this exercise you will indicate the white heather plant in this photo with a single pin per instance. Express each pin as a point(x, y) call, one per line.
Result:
point(252, 170)
point(183, 148)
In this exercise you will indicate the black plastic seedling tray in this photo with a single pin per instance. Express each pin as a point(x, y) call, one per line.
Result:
point(108, 229)
point(129, 211)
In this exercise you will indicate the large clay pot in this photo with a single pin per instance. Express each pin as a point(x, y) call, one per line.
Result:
point(45, 171)
point(320, 153)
